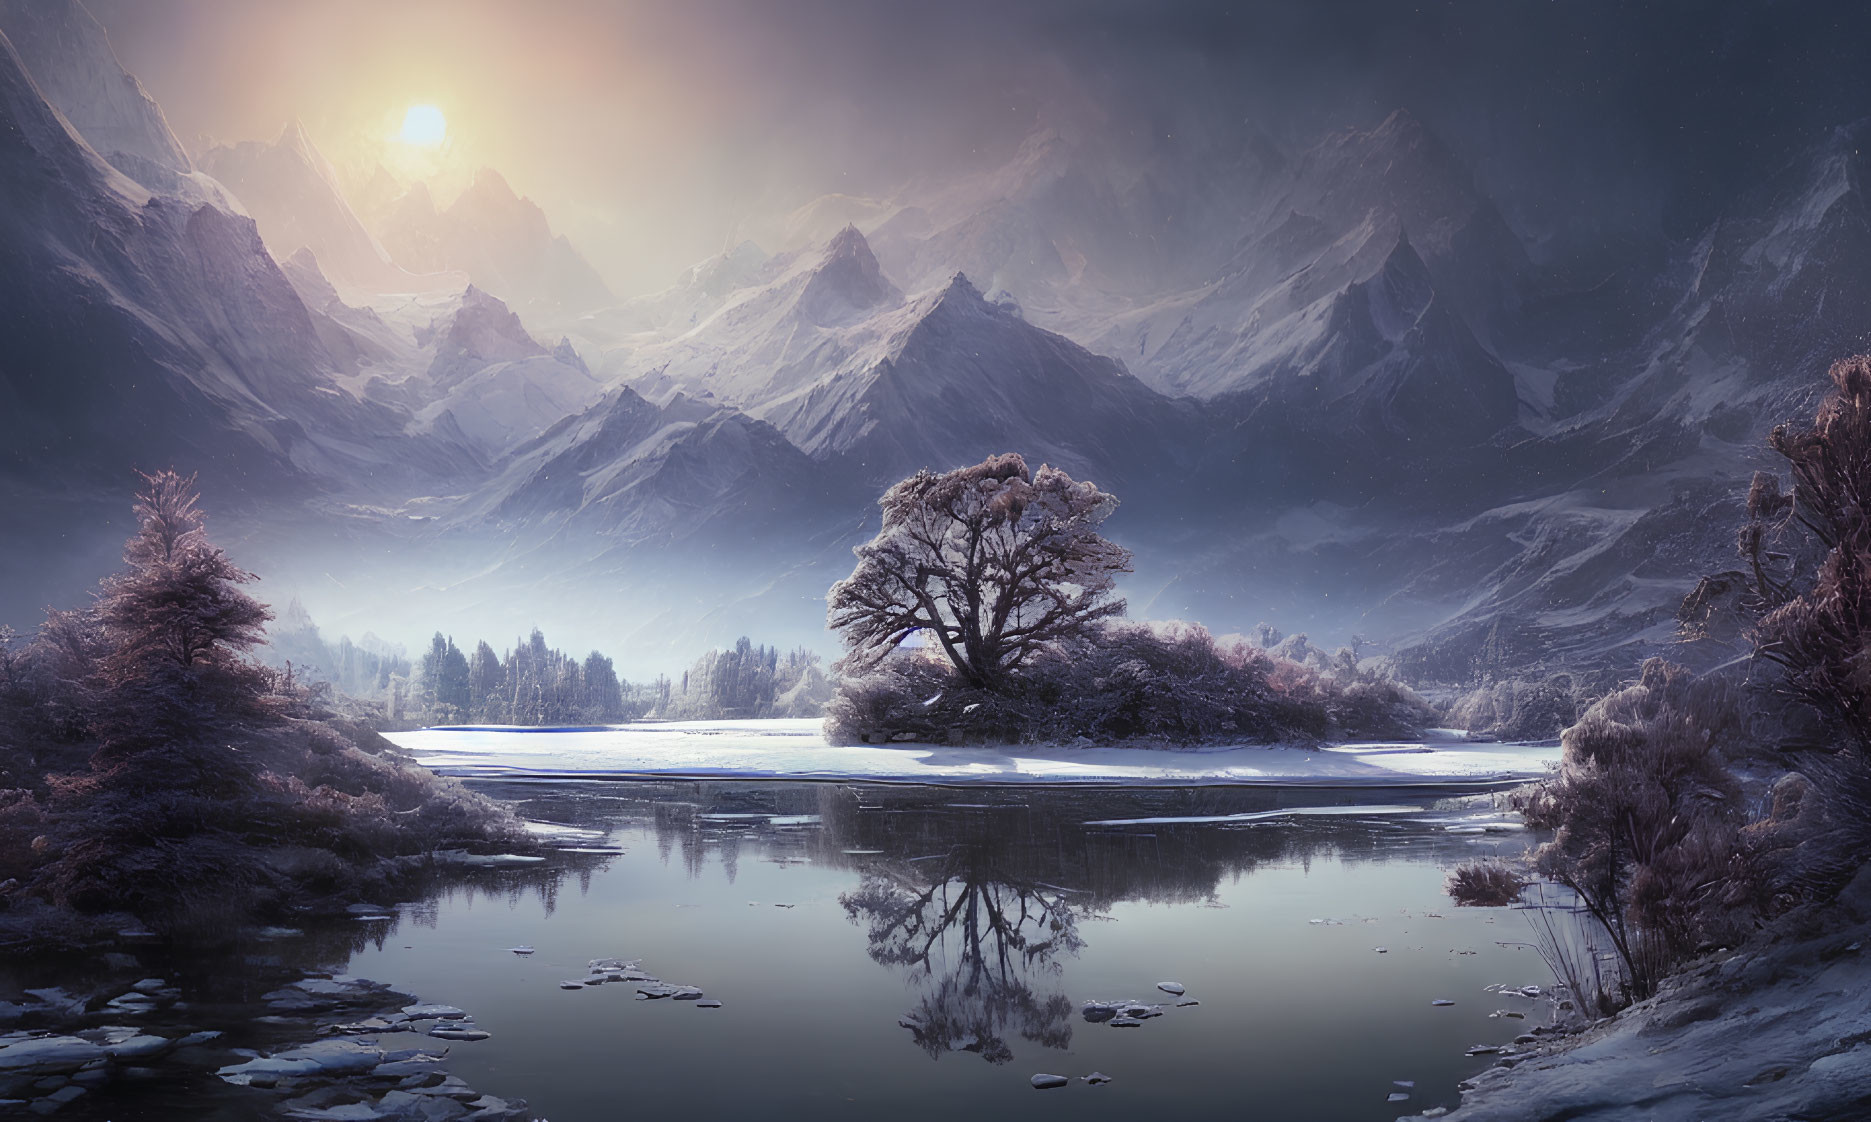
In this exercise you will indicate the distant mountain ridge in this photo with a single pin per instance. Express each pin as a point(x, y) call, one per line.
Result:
point(1329, 383)
point(498, 239)
point(292, 192)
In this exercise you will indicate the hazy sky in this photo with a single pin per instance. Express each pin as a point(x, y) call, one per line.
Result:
point(653, 133)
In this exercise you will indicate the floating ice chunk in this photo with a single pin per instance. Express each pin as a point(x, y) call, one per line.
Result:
point(1442, 1001)
point(1187, 1002)
point(1124, 1022)
point(711, 1003)
point(1096, 1077)
point(1098, 1012)
point(521, 950)
point(429, 1012)
point(570, 985)
point(1398, 1097)
point(1044, 1082)
point(45, 1055)
point(325, 1057)
point(1174, 989)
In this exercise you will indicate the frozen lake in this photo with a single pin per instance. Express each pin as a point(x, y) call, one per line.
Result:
point(796, 749)
point(922, 952)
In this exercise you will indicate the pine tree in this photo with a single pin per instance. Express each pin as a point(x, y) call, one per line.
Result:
point(175, 628)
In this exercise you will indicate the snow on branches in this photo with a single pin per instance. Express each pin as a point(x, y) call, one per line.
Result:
point(993, 562)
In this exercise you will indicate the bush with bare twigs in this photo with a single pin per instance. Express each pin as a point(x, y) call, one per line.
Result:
point(1485, 884)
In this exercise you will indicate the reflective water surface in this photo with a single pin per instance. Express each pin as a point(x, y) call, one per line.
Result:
point(915, 952)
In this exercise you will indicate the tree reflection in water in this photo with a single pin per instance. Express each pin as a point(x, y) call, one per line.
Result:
point(977, 938)
point(966, 897)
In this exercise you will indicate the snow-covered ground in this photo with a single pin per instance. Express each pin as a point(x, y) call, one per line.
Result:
point(796, 749)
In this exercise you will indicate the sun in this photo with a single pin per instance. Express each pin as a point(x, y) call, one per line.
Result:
point(424, 126)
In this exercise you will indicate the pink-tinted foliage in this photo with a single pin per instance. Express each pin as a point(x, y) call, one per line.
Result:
point(1822, 635)
point(1645, 817)
point(992, 563)
point(217, 786)
point(176, 627)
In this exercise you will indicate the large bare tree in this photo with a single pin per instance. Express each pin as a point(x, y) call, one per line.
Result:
point(992, 561)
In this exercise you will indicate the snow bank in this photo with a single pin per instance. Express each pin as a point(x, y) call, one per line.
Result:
point(796, 749)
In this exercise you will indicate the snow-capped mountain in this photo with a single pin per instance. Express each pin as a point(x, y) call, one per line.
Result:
point(356, 337)
point(71, 61)
point(501, 240)
point(1639, 486)
point(139, 325)
point(1357, 404)
point(491, 383)
point(292, 192)
point(1386, 357)
point(1082, 213)
point(636, 473)
point(697, 294)
point(793, 319)
point(837, 359)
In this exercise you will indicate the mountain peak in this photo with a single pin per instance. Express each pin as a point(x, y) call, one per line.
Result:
point(492, 185)
point(1394, 297)
point(848, 242)
point(847, 281)
point(961, 287)
point(416, 199)
point(71, 61)
point(565, 353)
point(481, 330)
point(293, 138)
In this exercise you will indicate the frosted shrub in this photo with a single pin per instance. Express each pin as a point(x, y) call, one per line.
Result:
point(1821, 636)
point(1646, 820)
point(1516, 709)
point(1485, 884)
point(1803, 597)
point(1171, 684)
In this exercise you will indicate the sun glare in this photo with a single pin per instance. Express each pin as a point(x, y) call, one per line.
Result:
point(424, 125)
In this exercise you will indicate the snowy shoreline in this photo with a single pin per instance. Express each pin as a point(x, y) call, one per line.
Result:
point(796, 750)
point(1778, 1028)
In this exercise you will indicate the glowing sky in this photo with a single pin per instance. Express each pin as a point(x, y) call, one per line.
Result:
point(425, 126)
point(654, 132)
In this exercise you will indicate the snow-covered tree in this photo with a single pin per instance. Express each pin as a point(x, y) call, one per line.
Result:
point(993, 562)
point(177, 626)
